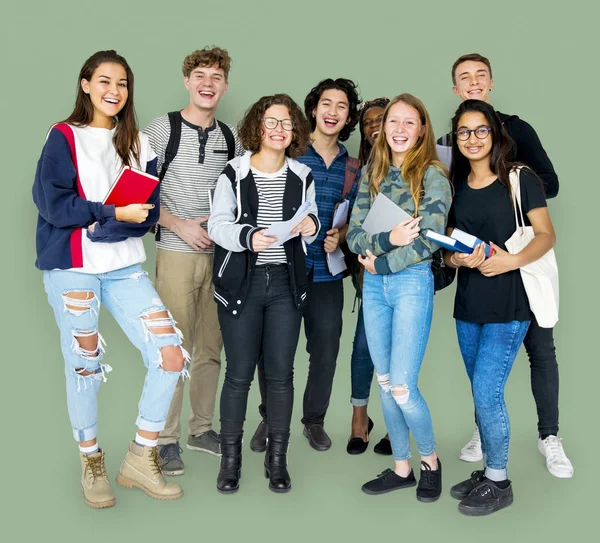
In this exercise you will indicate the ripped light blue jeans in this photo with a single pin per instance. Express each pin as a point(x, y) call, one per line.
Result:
point(398, 309)
point(129, 295)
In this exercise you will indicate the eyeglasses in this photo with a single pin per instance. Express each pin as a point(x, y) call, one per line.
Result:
point(271, 123)
point(481, 132)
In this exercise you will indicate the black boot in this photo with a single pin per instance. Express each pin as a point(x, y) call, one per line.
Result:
point(230, 471)
point(276, 464)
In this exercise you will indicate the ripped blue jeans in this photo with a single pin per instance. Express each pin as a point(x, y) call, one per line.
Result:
point(129, 295)
point(398, 309)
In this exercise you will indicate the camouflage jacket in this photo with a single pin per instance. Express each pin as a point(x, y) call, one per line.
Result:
point(434, 210)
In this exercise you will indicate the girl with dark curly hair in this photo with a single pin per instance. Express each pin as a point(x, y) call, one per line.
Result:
point(260, 284)
point(361, 365)
point(332, 109)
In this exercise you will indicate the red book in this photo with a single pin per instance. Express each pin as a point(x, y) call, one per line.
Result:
point(131, 187)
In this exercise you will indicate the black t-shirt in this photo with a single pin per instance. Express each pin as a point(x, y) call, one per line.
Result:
point(488, 214)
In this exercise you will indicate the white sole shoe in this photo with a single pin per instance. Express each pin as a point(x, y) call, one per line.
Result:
point(471, 452)
point(557, 462)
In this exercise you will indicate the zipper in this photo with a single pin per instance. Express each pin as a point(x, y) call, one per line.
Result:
point(224, 265)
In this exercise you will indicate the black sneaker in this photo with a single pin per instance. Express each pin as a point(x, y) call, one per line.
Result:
point(485, 499)
point(462, 490)
point(383, 447)
point(170, 459)
point(388, 481)
point(430, 483)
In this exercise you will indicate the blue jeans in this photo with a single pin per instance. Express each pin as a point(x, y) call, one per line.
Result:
point(361, 365)
point(398, 309)
point(489, 351)
point(129, 295)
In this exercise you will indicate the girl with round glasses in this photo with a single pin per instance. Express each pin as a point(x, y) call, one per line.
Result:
point(260, 284)
point(491, 308)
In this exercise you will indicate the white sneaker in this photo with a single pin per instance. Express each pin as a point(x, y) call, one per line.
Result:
point(556, 460)
point(471, 452)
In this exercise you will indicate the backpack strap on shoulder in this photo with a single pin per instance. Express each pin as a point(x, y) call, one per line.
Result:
point(352, 168)
point(175, 120)
point(173, 143)
point(228, 135)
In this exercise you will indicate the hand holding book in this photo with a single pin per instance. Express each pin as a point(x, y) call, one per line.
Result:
point(405, 232)
point(472, 260)
point(134, 213)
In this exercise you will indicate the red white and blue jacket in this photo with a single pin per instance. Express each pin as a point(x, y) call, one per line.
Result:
point(77, 167)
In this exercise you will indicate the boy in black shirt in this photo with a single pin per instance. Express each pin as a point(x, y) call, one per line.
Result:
point(472, 79)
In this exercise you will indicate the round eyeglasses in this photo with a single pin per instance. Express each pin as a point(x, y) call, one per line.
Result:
point(481, 132)
point(271, 123)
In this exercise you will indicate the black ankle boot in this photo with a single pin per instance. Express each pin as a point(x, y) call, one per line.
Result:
point(230, 471)
point(276, 464)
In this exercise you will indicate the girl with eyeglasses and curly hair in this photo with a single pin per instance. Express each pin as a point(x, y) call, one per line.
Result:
point(260, 285)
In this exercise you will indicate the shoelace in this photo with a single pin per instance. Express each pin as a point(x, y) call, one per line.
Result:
point(96, 467)
point(477, 476)
point(427, 477)
point(386, 474)
point(475, 442)
point(155, 461)
point(170, 451)
point(554, 450)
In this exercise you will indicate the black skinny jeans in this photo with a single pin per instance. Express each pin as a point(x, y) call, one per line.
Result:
point(539, 344)
point(269, 324)
point(323, 329)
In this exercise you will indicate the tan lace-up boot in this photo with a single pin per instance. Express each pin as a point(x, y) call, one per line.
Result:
point(141, 468)
point(96, 488)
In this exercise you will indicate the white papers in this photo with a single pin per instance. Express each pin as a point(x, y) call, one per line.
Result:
point(335, 260)
point(383, 216)
point(340, 217)
point(281, 230)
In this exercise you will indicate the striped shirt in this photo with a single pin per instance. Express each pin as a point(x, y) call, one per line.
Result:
point(270, 188)
point(329, 185)
point(184, 192)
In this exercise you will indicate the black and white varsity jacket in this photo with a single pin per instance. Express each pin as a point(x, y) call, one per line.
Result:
point(233, 222)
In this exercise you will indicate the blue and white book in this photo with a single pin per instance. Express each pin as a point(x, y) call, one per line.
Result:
point(459, 241)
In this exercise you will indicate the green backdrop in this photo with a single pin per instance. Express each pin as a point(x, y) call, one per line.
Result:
point(545, 69)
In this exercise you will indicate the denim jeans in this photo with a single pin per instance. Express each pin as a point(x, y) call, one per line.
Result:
point(129, 295)
point(361, 365)
point(539, 344)
point(398, 309)
point(323, 328)
point(269, 325)
point(489, 351)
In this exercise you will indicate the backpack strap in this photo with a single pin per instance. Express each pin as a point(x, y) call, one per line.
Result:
point(175, 121)
point(352, 168)
point(228, 135)
point(173, 143)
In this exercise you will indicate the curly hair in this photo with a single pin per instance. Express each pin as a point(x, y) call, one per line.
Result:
point(209, 56)
point(345, 85)
point(250, 128)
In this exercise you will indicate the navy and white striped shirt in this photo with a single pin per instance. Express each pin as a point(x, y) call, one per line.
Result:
point(270, 188)
point(329, 185)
